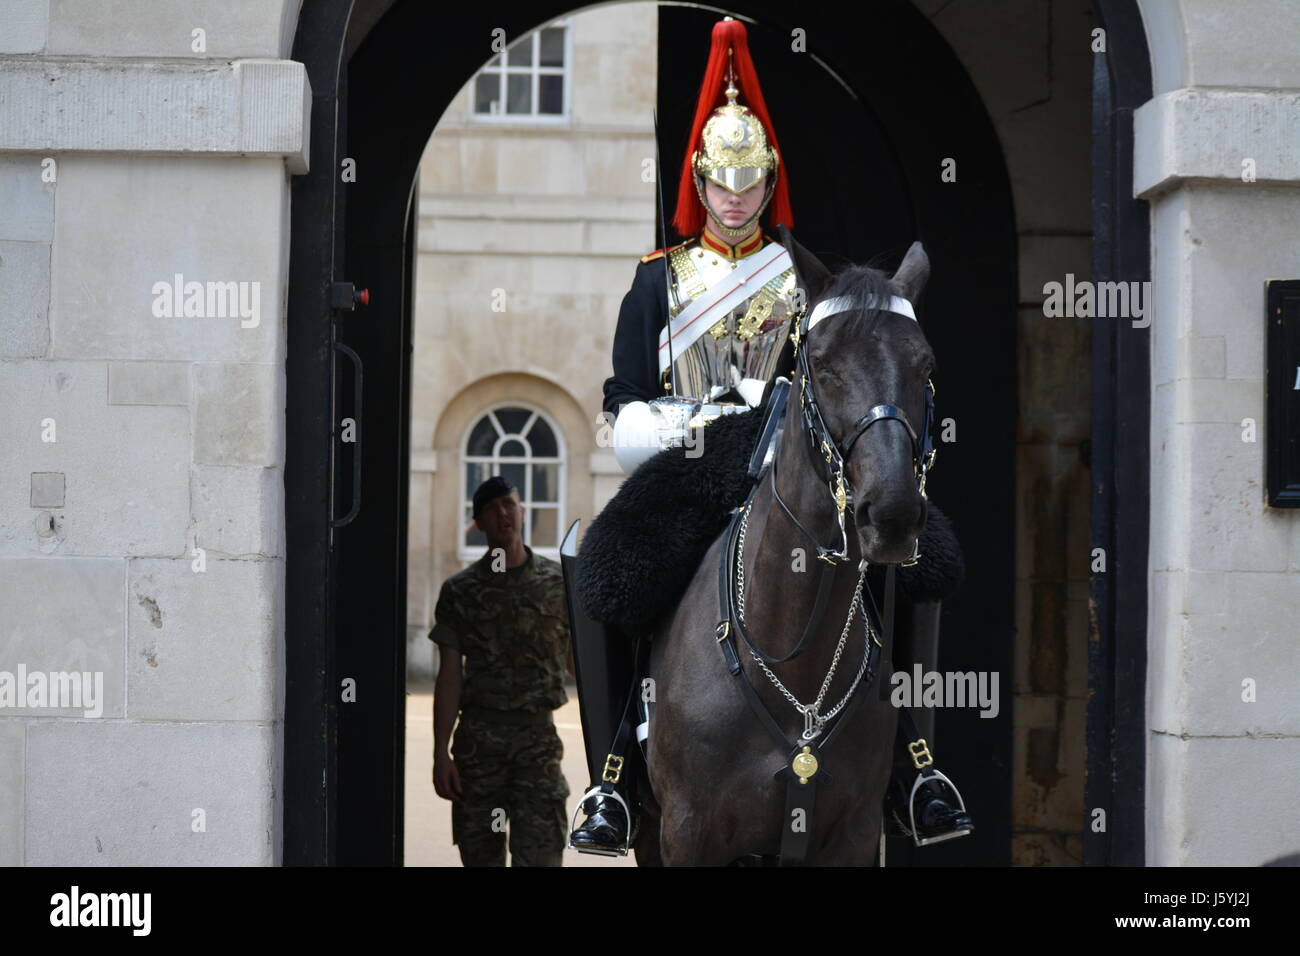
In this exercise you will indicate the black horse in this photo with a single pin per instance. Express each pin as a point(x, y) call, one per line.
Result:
point(711, 760)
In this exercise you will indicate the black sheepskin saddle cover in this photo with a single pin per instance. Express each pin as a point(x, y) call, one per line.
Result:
point(641, 552)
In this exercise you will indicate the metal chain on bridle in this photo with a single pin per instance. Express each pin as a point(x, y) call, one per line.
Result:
point(829, 456)
point(813, 720)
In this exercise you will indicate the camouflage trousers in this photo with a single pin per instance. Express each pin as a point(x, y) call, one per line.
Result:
point(511, 781)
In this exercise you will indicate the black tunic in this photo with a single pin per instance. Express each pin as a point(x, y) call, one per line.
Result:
point(636, 340)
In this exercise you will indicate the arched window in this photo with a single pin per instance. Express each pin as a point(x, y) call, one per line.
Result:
point(522, 445)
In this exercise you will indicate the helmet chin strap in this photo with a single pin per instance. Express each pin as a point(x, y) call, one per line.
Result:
point(734, 232)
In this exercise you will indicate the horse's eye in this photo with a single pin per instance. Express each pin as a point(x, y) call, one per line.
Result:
point(832, 376)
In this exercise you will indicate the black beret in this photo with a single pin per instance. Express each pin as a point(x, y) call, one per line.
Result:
point(493, 488)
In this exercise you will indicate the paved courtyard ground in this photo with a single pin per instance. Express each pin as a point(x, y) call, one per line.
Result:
point(428, 816)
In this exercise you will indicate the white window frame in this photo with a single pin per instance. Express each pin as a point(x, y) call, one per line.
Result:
point(469, 555)
point(563, 118)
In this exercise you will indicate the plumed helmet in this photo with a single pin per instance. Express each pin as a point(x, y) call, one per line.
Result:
point(732, 139)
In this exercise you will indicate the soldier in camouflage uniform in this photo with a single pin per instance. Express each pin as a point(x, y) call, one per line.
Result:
point(506, 616)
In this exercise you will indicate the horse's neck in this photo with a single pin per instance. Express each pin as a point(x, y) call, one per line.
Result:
point(781, 564)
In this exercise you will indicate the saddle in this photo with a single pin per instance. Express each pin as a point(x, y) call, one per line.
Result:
point(641, 552)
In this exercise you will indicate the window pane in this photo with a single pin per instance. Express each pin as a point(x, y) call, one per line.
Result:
point(513, 449)
point(546, 482)
point(521, 54)
point(487, 90)
point(476, 472)
point(542, 439)
point(519, 93)
point(515, 475)
point(544, 523)
point(552, 47)
point(513, 420)
point(481, 439)
point(551, 94)
point(474, 538)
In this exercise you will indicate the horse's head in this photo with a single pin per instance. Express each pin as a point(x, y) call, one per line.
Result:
point(870, 364)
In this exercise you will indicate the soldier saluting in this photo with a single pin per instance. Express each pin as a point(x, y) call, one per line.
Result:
point(701, 335)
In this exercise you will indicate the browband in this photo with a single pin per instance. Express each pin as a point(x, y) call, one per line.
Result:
point(844, 303)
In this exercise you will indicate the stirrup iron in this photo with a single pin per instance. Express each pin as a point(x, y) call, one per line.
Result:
point(922, 778)
point(573, 823)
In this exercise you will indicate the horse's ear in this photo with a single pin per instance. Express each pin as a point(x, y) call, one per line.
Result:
point(810, 275)
point(913, 274)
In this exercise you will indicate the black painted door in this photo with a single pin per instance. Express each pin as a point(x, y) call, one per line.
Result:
point(371, 549)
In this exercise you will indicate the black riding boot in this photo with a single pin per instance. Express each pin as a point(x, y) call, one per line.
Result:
point(917, 791)
point(934, 803)
point(605, 667)
point(607, 829)
point(608, 805)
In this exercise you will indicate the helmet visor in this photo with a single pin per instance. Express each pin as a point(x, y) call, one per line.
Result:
point(737, 179)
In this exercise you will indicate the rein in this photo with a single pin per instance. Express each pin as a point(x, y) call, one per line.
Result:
point(802, 771)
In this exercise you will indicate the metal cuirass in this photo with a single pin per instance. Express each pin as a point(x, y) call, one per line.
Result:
point(730, 319)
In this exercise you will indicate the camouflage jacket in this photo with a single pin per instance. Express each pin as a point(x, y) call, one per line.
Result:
point(512, 627)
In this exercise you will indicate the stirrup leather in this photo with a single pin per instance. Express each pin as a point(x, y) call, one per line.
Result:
point(573, 823)
point(921, 779)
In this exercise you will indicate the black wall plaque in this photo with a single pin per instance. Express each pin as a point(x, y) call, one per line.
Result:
point(1282, 454)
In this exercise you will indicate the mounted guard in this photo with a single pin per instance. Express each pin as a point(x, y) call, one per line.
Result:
point(704, 339)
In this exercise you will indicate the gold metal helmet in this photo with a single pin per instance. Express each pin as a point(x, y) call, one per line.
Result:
point(736, 153)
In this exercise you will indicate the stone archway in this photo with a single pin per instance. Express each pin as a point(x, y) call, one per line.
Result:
point(358, 233)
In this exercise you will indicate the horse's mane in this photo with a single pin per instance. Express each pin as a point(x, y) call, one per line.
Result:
point(862, 283)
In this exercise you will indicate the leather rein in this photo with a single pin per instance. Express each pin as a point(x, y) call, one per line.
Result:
point(801, 770)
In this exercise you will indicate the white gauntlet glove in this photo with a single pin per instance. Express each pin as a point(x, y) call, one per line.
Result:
point(642, 429)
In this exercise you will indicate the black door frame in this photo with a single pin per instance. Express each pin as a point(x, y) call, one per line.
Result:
point(315, 252)
point(384, 125)
point(1120, 452)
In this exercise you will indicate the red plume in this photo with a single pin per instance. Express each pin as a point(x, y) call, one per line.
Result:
point(689, 217)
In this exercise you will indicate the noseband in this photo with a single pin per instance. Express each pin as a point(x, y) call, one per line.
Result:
point(828, 455)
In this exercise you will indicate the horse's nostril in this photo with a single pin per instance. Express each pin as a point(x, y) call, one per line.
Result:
point(892, 515)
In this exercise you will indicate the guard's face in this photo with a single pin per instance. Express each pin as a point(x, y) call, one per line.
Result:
point(502, 520)
point(734, 209)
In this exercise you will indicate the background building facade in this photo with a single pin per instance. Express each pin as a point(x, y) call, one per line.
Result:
point(547, 214)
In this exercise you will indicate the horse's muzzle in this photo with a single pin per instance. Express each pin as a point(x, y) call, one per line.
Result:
point(888, 530)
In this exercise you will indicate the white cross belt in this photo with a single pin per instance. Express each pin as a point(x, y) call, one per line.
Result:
point(750, 275)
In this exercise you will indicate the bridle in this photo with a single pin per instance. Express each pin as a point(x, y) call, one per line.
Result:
point(802, 772)
point(828, 455)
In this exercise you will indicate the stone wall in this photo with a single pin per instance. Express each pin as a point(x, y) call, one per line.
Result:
point(1224, 665)
point(141, 523)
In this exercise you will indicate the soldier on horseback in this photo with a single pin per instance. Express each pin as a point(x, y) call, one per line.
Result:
point(730, 296)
